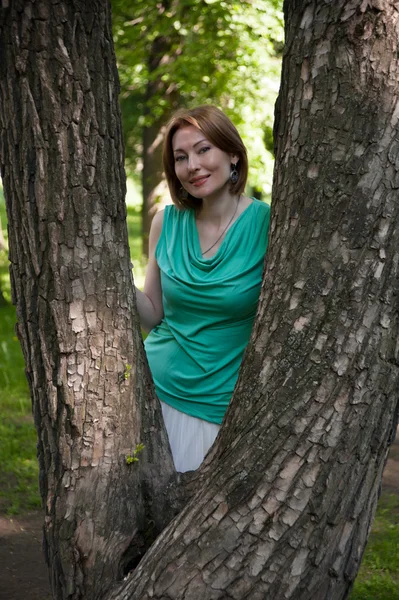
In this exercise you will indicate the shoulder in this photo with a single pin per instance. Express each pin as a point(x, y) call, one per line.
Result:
point(261, 206)
point(172, 216)
point(260, 219)
point(156, 230)
point(163, 219)
point(157, 221)
point(262, 211)
point(156, 224)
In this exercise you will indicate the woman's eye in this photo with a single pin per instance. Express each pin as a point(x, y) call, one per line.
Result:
point(204, 149)
point(179, 158)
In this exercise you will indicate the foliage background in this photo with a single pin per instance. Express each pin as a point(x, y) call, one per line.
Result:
point(209, 51)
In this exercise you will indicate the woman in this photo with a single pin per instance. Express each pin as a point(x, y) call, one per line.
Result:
point(203, 278)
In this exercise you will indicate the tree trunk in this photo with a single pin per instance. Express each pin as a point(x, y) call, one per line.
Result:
point(154, 184)
point(61, 160)
point(283, 503)
point(3, 301)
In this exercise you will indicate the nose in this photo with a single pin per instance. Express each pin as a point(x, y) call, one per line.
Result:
point(192, 162)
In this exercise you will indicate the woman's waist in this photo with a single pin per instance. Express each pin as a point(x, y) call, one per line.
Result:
point(192, 324)
point(205, 351)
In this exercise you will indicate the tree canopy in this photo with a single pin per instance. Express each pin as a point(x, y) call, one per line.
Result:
point(227, 53)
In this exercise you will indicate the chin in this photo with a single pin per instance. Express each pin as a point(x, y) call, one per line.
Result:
point(197, 195)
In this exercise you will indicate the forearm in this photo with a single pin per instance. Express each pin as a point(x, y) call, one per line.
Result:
point(150, 315)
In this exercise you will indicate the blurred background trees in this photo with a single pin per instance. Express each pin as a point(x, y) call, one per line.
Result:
point(181, 53)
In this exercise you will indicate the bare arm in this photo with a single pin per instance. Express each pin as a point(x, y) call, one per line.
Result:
point(149, 302)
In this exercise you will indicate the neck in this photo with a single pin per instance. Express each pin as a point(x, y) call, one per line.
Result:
point(218, 209)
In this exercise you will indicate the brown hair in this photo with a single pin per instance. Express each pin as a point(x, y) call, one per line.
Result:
point(220, 131)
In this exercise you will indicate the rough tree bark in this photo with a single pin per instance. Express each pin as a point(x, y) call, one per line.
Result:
point(61, 160)
point(283, 503)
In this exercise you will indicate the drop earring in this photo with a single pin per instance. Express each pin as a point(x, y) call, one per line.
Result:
point(183, 193)
point(234, 173)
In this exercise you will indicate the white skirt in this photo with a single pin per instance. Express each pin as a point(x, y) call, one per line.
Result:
point(190, 438)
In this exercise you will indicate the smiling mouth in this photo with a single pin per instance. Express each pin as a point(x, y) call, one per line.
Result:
point(199, 181)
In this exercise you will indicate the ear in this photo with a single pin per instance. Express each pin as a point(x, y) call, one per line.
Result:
point(234, 158)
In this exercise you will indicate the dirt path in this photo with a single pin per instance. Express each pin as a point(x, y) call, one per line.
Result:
point(390, 480)
point(23, 573)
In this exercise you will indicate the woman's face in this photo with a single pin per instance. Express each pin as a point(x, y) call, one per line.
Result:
point(201, 167)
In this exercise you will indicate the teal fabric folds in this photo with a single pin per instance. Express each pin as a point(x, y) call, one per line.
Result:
point(209, 305)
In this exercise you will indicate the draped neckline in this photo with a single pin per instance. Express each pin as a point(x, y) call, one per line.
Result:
point(216, 258)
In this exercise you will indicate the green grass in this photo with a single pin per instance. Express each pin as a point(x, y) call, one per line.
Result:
point(18, 464)
point(378, 578)
point(135, 244)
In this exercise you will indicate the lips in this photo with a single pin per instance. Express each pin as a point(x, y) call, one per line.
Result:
point(198, 181)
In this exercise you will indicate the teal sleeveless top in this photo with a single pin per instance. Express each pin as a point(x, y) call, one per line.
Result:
point(209, 306)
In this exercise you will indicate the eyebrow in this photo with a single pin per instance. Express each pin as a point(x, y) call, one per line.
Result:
point(196, 144)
